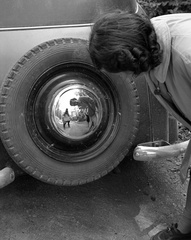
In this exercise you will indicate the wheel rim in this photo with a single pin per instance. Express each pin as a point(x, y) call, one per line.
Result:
point(81, 90)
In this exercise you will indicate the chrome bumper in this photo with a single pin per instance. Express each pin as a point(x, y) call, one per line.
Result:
point(158, 150)
point(7, 176)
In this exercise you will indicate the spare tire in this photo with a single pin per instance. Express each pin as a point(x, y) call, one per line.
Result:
point(103, 114)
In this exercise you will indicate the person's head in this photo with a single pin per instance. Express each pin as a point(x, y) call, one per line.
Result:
point(74, 102)
point(121, 41)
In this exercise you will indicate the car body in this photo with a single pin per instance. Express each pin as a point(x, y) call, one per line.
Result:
point(45, 69)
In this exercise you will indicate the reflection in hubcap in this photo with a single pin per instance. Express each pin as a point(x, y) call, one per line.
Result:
point(76, 112)
point(71, 111)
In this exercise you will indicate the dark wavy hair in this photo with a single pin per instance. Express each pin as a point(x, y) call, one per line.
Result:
point(122, 41)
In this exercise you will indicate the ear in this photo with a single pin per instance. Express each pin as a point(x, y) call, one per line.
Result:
point(125, 56)
point(120, 55)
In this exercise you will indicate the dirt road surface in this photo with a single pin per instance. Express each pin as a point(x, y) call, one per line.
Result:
point(132, 203)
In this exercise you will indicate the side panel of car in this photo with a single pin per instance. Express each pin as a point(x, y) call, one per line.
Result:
point(16, 42)
point(154, 118)
point(156, 123)
point(25, 13)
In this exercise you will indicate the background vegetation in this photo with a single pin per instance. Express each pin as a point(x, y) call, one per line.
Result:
point(160, 7)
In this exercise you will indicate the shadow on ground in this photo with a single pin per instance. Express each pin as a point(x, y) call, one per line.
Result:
point(126, 204)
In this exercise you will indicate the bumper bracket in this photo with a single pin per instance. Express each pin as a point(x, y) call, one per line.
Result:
point(158, 150)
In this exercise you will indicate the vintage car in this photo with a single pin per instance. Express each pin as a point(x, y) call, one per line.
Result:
point(46, 72)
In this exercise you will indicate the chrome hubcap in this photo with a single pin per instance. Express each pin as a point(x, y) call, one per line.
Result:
point(72, 113)
point(76, 111)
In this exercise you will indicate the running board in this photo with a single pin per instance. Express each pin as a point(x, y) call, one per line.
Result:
point(158, 149)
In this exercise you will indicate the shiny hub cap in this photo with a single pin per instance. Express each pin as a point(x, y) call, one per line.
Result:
point(71, 112)
point(76, 111)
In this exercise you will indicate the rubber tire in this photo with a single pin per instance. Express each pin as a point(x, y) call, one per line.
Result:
point(14, 134)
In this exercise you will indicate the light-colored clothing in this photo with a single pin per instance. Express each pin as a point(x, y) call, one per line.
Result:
point(172, 78)
point(174, 36)
point(65, 117)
